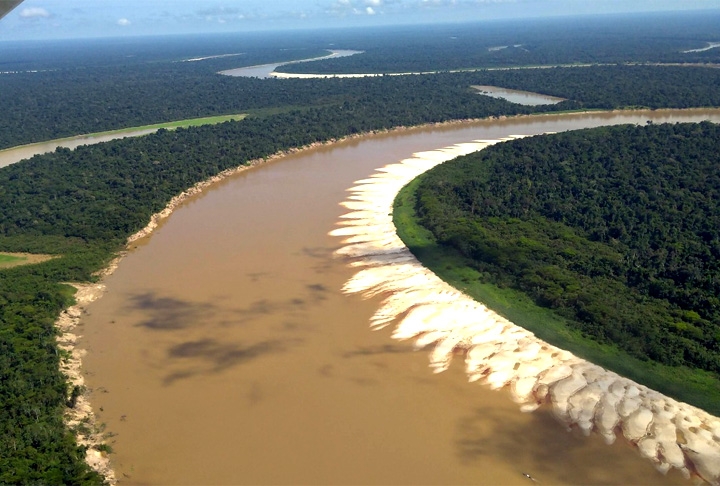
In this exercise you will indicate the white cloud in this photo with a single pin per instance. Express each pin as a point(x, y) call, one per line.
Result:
point(370, 11)
point(374, 3)
point(34, 13)
point(218, 11)
point(123, 22)
point(221, 15)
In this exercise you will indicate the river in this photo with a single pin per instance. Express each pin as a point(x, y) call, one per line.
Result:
point(16, 154)
point(267, 70)
point(224, 351)
point(516, 96)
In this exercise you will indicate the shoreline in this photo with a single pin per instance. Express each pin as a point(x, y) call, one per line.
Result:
point(80, 419)
point(75, 141)
point(82, 416)
point(240, 72)
point(447, 323)
point(89, 292)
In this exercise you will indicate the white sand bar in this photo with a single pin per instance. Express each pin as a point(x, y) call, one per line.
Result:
point(500, 354)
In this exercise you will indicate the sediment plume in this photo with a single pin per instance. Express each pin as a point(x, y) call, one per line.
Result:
point(500, 354)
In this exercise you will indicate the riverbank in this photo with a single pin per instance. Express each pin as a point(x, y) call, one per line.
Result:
point(196, 189)
point(81, 419)
point(233, 309)
point(528, 98)
point(267, 70)
point(286, 75)
point(15, 154)
point(499, 354)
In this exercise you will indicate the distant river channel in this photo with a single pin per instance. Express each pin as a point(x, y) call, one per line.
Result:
point(265, 70)
point(225, 353)
point(16, 154)
point(516, 96)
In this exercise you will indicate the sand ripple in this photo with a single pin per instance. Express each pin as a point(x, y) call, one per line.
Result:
point(500, 354)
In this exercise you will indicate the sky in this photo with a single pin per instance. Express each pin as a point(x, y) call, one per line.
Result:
point(54, 19)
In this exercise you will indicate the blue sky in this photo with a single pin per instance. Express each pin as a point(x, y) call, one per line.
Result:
point(48, 19)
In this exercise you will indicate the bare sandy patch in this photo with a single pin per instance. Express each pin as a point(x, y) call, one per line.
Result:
point(79, 417)
point(18, 259)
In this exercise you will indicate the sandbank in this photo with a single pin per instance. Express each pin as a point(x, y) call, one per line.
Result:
point(500, 354)
point(257, 70)
point(87, 293)
point(81, 419)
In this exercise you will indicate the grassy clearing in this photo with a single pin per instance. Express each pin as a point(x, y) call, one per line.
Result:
point(190, 122)
point(696, 387)
point(8, 260)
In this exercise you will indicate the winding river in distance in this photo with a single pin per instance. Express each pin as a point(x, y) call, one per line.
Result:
point(225, 353)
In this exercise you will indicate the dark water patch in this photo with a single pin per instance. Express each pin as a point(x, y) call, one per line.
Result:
point(169, 314)
point(209, 356)
point(379, 350)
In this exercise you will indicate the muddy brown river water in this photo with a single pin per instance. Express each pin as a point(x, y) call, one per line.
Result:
point(224, 352)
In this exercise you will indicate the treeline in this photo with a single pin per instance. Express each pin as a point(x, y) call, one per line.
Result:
point(82, 103)
point(56, 104)
point(106, 191)
point(614, 228)
point(35, 445)
point(83, 204)
point(111, 84)
point(653, 38)
point(610, 87)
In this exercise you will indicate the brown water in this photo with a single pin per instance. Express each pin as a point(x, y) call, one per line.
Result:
point(515, 96)
point(224, 352)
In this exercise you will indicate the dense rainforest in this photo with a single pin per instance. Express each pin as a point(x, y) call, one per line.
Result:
point(640, 38)
point(82, 204)
point(613, 228)
point(57, 104)
point(47, 93)
point(144, 94)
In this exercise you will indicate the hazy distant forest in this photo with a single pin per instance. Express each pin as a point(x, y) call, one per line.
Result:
point(83, 204)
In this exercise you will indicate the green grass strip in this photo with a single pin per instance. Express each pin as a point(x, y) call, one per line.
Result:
point(7, 260)
point(190, 122)
point(696, 387)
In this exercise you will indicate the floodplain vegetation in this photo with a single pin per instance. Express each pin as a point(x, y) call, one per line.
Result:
point(82, 205)
point(613, 229)
point(14, 259)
